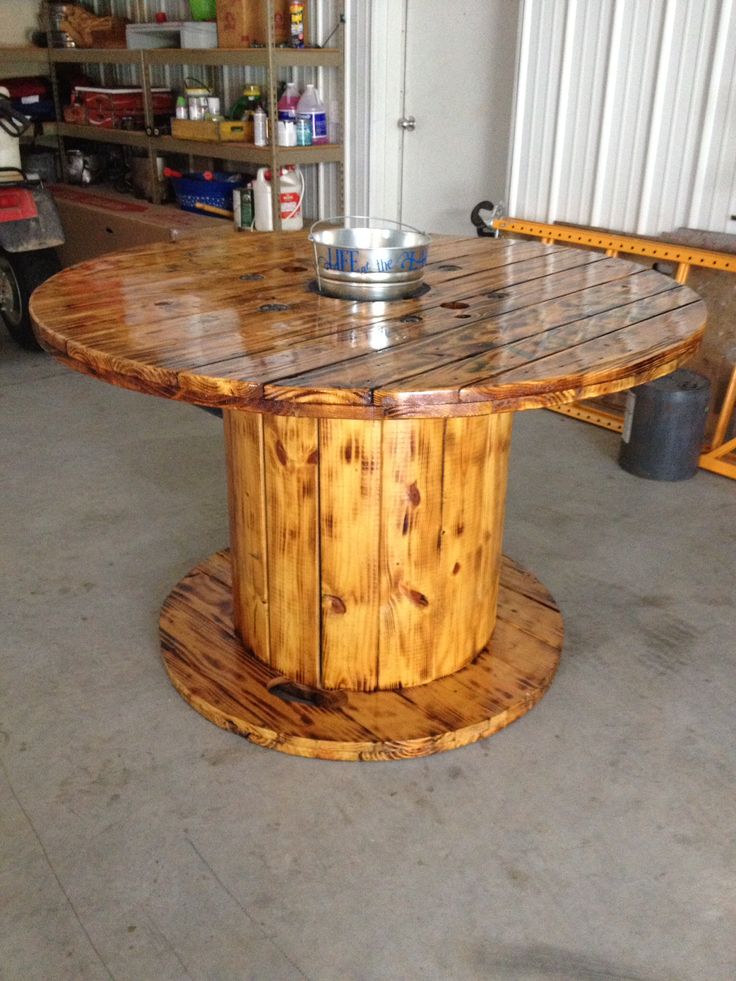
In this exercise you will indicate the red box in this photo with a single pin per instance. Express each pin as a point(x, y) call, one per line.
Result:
point(115, 108)
point(124, 101)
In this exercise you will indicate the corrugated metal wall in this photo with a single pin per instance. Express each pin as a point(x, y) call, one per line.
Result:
point(625, 114)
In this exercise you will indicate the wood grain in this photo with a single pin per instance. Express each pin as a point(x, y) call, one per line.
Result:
point(234, 323)
point(291, 503)
point(213, 672)
point(244, 449)
point(350, 525)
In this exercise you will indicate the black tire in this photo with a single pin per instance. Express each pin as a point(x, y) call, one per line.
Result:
point(20, 274)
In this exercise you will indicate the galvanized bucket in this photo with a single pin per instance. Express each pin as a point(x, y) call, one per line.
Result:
point(368, 261)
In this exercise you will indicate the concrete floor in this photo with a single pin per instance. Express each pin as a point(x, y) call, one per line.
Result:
point(593, 839)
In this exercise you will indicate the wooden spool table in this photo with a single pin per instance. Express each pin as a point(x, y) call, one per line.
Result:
point(365, 610)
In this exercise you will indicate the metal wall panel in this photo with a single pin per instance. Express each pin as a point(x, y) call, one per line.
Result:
point(625, 114)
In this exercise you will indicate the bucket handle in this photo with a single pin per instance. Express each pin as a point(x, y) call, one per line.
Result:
point(390, 221)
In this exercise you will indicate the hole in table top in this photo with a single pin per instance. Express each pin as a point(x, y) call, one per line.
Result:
point(291, 269)
point(455, 305)
point(410, 318)
point(251, 277)
point(498, 295)
point(463, 316)
point(273, 307)
point(449, 267)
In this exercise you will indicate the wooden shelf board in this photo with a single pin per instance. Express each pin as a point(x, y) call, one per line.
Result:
point(23, 53)
point(245, 152)
point(248, 153)
point(104, 56)
point(102, 134)
point(207, 56)
point(283, 57)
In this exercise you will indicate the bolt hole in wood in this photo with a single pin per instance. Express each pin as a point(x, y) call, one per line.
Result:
point(448, 267)
point(294, 269)
point(251, 277)
point(497, 295)
point(455, 305)
point(273, 307)
point(410, 318)
point(294, 691)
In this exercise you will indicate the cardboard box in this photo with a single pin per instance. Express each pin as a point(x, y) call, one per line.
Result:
point(242, 23)
point(97, 221)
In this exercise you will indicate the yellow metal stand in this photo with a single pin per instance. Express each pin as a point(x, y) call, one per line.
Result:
point(721, 457)
point(717, 459)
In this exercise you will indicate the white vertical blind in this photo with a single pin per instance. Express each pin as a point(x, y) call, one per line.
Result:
point(625, 114)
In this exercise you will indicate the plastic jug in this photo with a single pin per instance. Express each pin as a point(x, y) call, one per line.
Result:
point(291, 193)
point(311, 107)
point(288, 102)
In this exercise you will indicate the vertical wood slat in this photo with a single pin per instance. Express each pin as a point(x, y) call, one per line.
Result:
point(247, 506)
point(472, 523)
point(411, 520)
point(494, 508)
point(350, 522)
point(291, 453)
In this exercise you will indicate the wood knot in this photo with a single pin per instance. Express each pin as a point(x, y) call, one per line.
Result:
point(413, 494)
point(456, 568)
point(281, 453)
point(335, 604)
point(414, 596)
point(313, 457)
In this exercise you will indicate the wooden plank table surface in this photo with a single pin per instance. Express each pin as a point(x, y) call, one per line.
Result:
point(364, 609)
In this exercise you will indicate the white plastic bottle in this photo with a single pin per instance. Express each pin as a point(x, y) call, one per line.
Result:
point(291, 193)
point(311, 107)
point(260, 127)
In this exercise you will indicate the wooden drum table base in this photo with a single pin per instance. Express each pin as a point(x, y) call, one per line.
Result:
point(211, 669)
point(366, 582)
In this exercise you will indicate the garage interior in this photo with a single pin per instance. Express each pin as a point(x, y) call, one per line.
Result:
point(593, 839)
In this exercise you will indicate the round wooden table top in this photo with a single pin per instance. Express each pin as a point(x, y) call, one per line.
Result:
point(235, 321)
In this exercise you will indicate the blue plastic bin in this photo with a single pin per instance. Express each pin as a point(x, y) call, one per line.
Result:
point(218, 192)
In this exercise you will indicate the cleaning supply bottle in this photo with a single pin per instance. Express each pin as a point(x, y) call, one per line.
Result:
point(260, 127)
point(288, 103)
point(291, 193)
point(296, 16)
point(311, 107)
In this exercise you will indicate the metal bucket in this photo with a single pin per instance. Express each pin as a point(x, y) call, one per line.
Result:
point(368, 261)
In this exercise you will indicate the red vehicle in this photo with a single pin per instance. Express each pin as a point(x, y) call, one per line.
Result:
point(30, 228)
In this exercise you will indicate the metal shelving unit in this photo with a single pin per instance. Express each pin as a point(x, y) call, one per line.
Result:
point(270, 59)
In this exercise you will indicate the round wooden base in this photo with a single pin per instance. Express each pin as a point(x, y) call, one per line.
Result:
point(211, 669)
